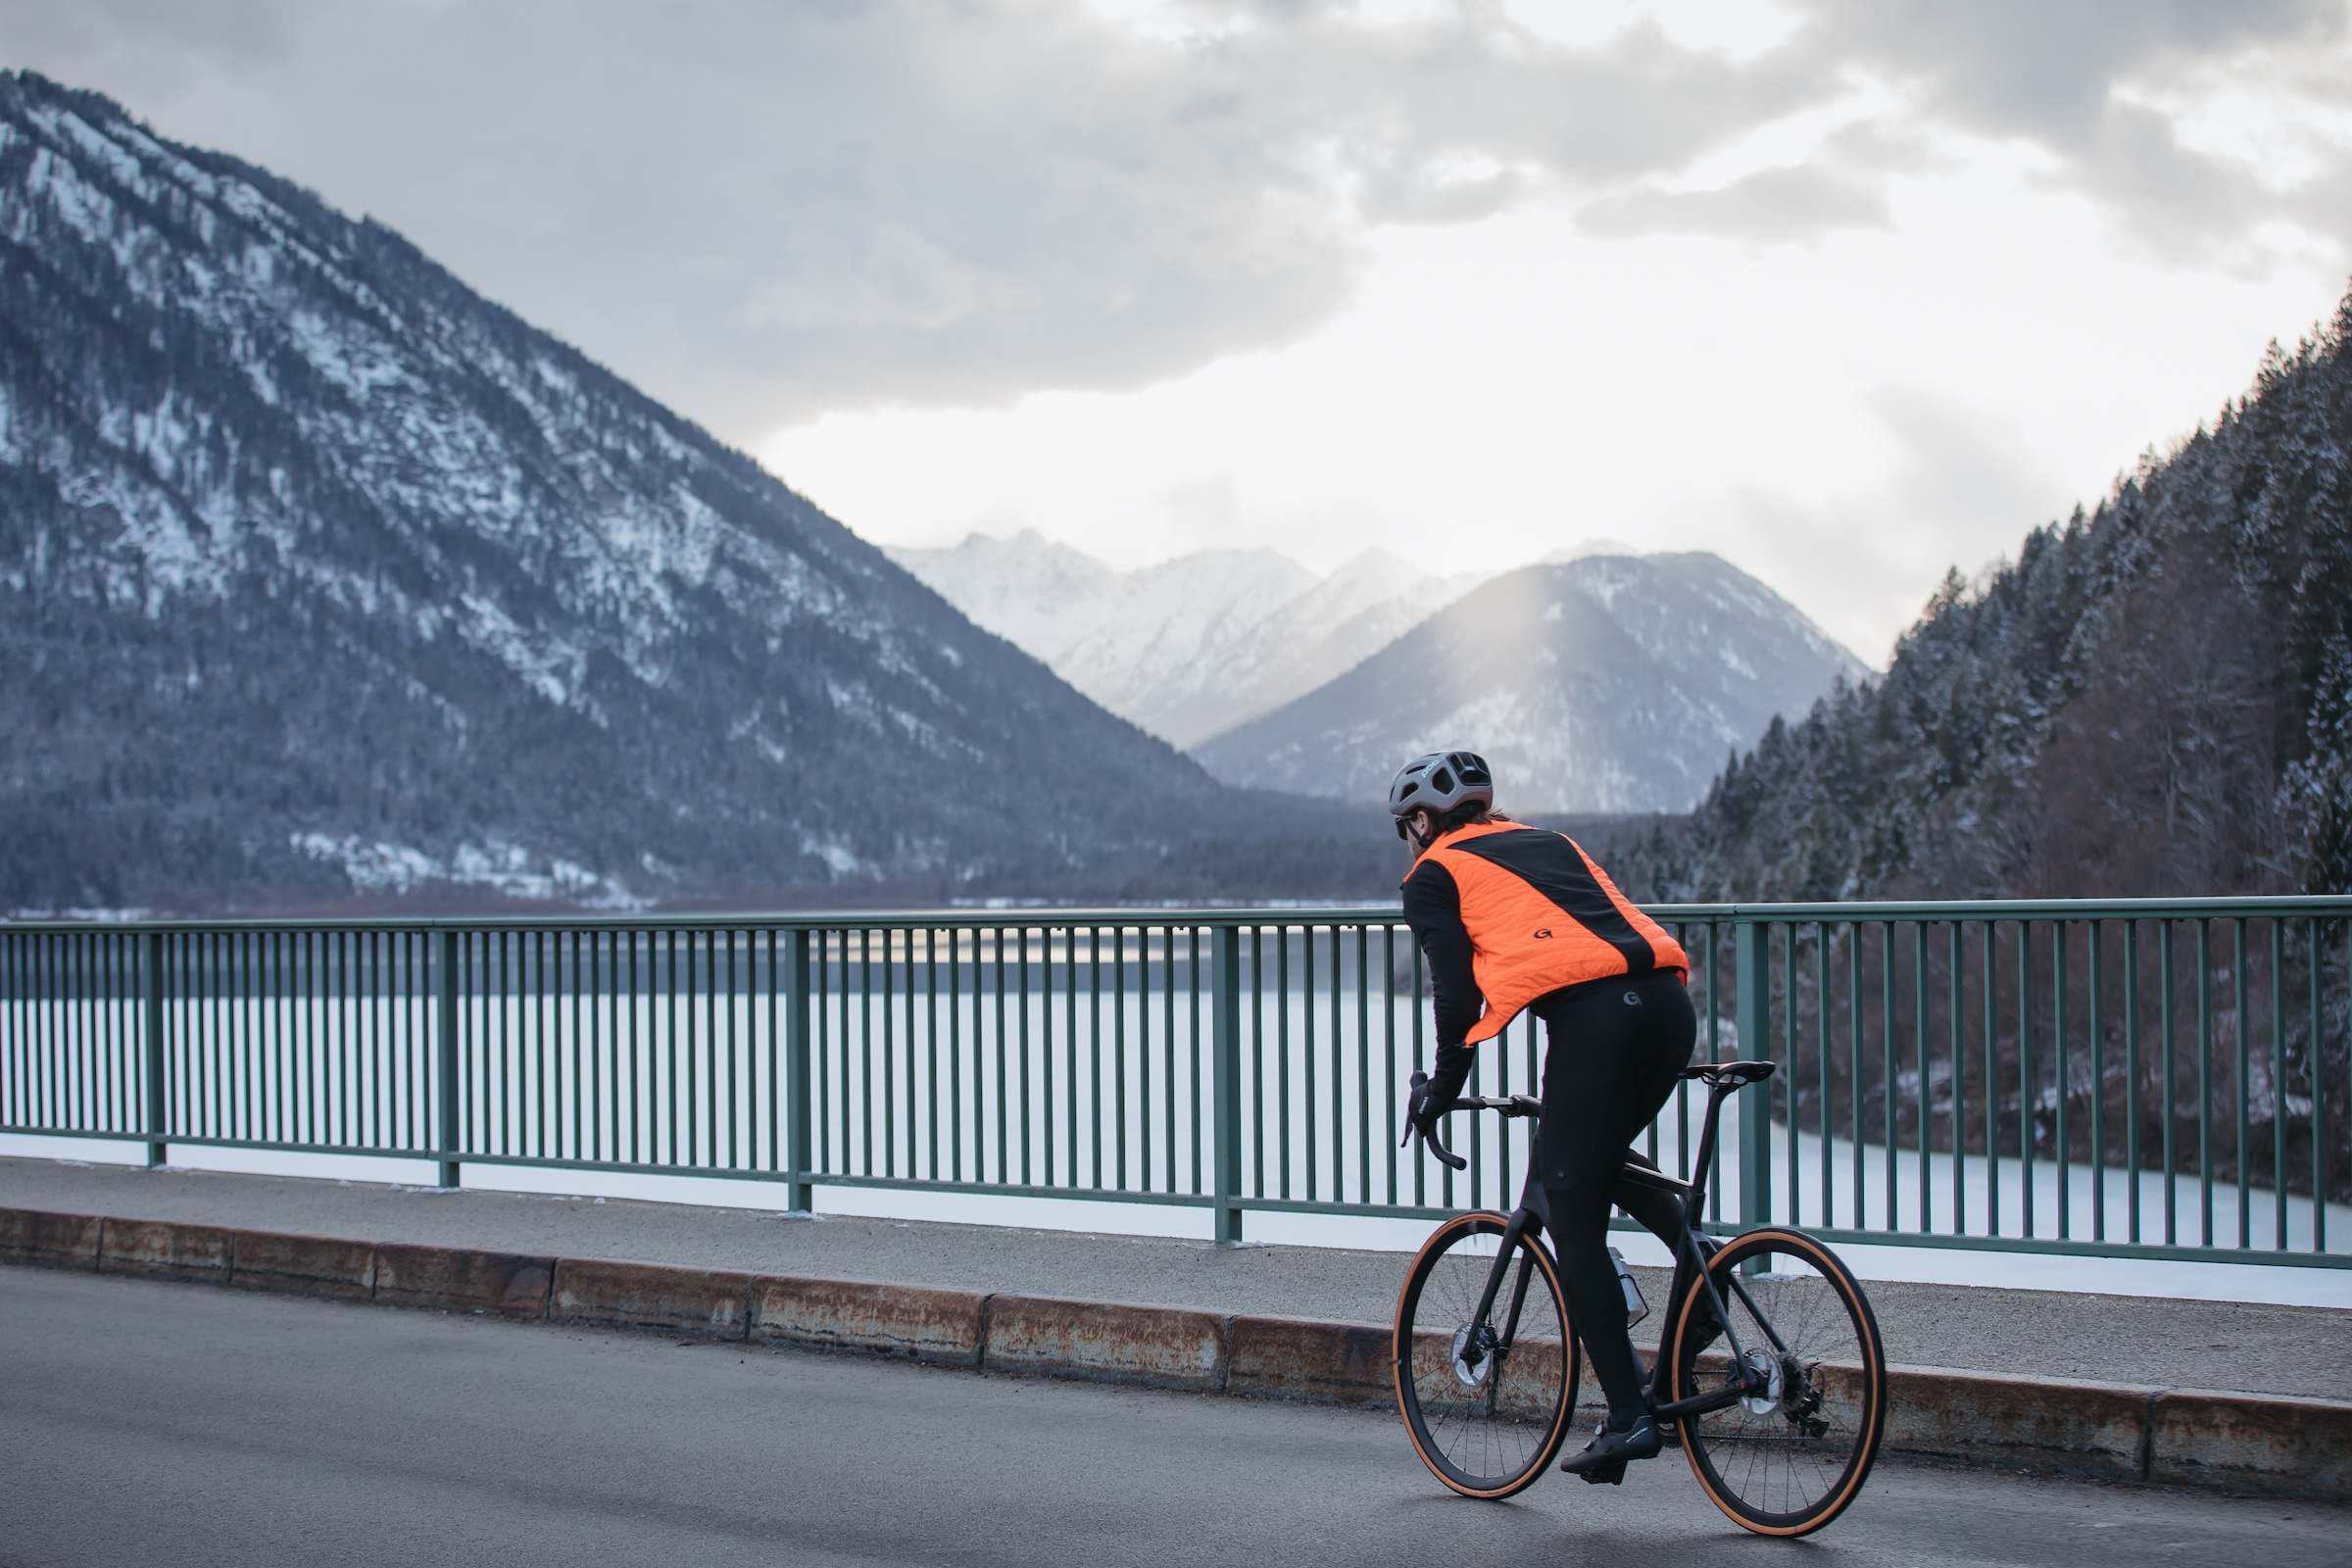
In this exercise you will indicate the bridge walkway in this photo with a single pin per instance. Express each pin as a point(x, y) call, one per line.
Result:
point(2236, 1346)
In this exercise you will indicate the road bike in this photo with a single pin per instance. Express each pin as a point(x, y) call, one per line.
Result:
point(1768, 1372)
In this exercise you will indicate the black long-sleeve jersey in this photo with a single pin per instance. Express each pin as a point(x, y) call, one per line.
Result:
point(1433, 908)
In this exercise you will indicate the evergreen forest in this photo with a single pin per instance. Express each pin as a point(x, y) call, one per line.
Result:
point(2153, 699)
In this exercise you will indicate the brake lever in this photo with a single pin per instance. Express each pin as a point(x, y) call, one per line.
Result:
point(1434, 1142)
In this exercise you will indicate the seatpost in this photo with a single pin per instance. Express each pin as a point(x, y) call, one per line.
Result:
point(1704, 1160)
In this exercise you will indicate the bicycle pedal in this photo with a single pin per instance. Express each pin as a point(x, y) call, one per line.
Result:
point(1609, 1475)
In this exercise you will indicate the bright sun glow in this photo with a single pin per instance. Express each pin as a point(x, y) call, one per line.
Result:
point(1843, 418)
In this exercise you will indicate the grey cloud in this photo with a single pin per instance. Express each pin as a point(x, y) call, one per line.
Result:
point(1843, 186)
point(2044, 67)
point(2047, 70)
point(1777, 205)
point(760, 212)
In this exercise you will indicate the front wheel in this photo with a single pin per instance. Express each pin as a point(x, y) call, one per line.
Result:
point(1485, 1397)
point(1789, 1455)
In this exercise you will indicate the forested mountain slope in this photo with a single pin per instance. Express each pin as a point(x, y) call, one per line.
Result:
point(320, 575)
point(2155, 699)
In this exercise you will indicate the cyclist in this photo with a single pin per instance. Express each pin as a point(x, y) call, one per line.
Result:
point(1511, 917)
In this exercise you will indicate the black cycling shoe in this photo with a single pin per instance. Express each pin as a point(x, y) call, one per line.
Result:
point(1605, 1457)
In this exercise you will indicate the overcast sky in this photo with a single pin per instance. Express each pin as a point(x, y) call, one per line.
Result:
point(1846, 290)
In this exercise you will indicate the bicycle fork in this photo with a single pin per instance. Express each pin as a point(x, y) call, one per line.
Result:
point(1499, 1347)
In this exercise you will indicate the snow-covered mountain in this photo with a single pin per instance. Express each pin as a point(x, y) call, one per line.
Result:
point(1191, 647)
point(1602, 684)
point(322, 575)
point(1039, 596)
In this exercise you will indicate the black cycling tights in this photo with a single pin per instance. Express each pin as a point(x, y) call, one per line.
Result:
point(1615, 1047)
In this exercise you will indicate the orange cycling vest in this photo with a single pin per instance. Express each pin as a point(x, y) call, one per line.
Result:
point(1542, 916)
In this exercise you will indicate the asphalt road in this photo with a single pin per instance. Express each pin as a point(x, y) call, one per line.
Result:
point(157, 1423)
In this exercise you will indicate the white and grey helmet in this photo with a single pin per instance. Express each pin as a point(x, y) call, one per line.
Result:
point(1438, 783)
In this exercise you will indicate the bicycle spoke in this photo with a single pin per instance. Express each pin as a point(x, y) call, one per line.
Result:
point(1485, 1392)
point(1790, 1454)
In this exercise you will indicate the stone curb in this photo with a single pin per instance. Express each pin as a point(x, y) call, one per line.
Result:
point(302, 1265)
point(2250, 1443)
point(1293, 1359)
point(2270, 1443)
point(455, 1278)
point(2090, 1429)
point(706, 1302)
point(1166, 1347)
point(909, 1320)
point(161, 1250)
point(31, 1236)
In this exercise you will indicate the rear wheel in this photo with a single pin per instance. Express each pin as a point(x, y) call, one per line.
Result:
point(1485, 1397)
point(1788, 1458)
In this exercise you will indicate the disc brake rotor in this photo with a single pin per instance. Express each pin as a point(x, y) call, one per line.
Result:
point(1768, 1381)
point(1473, 1354)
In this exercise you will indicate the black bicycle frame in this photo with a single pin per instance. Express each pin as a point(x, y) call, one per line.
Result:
point(1693, 1250)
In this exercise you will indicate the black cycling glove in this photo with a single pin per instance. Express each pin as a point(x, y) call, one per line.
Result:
point(1446, 1079)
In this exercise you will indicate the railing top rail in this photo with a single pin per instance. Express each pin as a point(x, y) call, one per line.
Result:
point(2322, 906)
point(1033, 918)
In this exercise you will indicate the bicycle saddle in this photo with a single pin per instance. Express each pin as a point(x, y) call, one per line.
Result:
point(1715, 1074)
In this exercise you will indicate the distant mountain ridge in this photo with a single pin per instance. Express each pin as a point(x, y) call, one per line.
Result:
point(1605, 683)
point(320, 575)
point(1191, 647)
point(1597, 688)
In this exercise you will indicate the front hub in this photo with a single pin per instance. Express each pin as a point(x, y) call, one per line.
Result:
point(1474, 1355)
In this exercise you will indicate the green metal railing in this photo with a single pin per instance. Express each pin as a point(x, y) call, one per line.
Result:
point(2124, 1078)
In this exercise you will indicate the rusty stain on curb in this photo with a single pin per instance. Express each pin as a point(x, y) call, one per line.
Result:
point(1298, 1358)
point(42, 1240)
point(458, 1280)
point(2276, 1444)
point(302, 1265)
point(714, 1303)
point(1166, 1347)
point(930, 1325)
point(2065, 1424)
point(2250, 1442)
point(165, 1249)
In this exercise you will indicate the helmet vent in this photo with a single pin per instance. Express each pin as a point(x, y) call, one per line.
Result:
point(1441, 782)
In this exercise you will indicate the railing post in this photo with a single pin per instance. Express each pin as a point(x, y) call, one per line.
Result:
point(1751, 946)
point(151, 984)
point(446, 1132)
point(799, 1191)
point(1225, 1078)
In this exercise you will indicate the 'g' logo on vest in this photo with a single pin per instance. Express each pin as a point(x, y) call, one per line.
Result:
point(1544, 934)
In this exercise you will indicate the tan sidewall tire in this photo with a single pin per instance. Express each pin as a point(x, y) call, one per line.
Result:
point(1401, 1357)
point(1830, 1263)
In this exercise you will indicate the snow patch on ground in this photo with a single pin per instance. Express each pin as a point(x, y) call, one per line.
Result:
point(374, 866)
